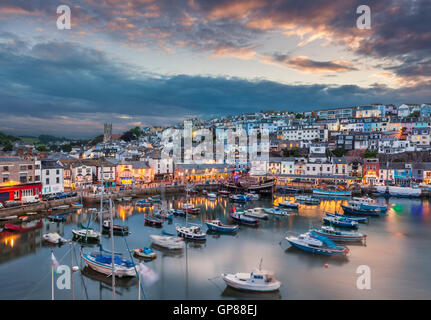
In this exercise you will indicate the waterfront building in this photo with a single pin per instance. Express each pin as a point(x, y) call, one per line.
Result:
point(52, 174)
point(201, 173)
point(371, 171)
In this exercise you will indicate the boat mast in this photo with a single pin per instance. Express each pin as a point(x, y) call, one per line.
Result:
point(112, 248)
point(101, 201)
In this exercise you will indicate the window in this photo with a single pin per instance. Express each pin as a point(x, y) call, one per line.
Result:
point(57, 180)
point(47, 172)
point(21, 168)
point(47, 181)
point(57, 171)
point(5, 168)
point(5, 177)
point(36, 178)
point(30, 167)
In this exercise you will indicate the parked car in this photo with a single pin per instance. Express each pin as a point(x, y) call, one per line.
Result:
point(1, 205)
point(30, 199)
point(71, 194)
point(61, 195)
point(48, 197)
point(12, 203)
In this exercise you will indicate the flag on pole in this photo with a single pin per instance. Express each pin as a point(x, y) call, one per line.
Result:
point(55, 263)
point(148, 276)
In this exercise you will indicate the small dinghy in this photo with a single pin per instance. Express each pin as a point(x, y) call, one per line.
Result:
point(117, 229)
point(255, 214)
point(340, 235)
point(177, 212)
point(119, 199)
point(241, 218)
point(204, 192)
point(314, 243)
point(54, 238)
point(145, 253)
point(277, 212)
point(358, 219)
point(289, 205)
point(217, 226)
point(89, 234)
point(257, 281)
point(168, 242)
point(192, 232)
point(152, 221)
point(340, 222)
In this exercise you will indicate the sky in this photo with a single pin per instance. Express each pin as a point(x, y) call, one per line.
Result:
point(150, 62)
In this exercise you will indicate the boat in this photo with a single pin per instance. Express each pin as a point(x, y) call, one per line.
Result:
point(288, 190)
point(340, 235)
point(255, 214)
point(238, 198)
point(189, 208)
point(154, 199)
point(152, 221)
point(58, 217)
point(177, 212)
point(340, 222)
point(249, 184)
point(127, 198)
point(8, 218)
point(212, 195)
point(217, 226)
point(119, 199)
point(143, 203)
point(241, 218)
point(23, 218)
point(290, 205)
point(358, 219)
point(368, 203)
point(168, 242)
point(25, 226)
point(332, 193)
point(315, 243)
point(252, 196)
point(145, 253)
point(192, 232)
point(63, 207)
point(257, 280)
point(77, 205)
point(163, 215)
point(356, 209)
point(89, 234)
point(307, 200)
point(224, 193)
point(408, 192)
point(191, 191)
point(276, 211)
point(204, 192)
point(54, 238)
point(103, 263)
point(117, 229)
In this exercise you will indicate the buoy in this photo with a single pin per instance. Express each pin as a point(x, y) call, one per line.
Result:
point(326, 265)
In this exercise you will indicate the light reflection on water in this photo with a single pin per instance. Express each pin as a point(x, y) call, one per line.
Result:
point(397, 251)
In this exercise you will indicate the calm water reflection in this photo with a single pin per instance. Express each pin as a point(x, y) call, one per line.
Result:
point(397, 251)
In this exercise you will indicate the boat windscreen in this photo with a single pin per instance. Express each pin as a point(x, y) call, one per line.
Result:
point(328, 242)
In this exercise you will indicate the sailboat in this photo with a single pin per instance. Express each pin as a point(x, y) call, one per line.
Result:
point(192, 232)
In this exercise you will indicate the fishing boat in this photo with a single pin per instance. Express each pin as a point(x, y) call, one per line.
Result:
point(368, 204)
point(25, 226)
point(224, 193)
point(212, 195)
point(58, 218)
point(54, 238)
point(255, 214)
point(217, 226)
point(89, 234)
point(308, 200)
point(77, 205)
point(289, 205)
point(340, 222)
point(358, 219)
point(192, 232)
point(408, 192)
point(277, 211)
point(252, 196)
point(315, 243)
point(152, 221)
point(332, 193)
point(257, 281)
point(145, 253)
point(356, 209)
point(118, 230)
point(339, 235)
point(154, 199)
point(168, 242)
point(163, 215)
point(238, 198)
point(189, 208)
point(177, 212)
point(241, 218)
point(143, 203)
point(103, 263)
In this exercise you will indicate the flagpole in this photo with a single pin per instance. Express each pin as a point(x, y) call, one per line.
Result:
point(52, 278)
point(112, 248)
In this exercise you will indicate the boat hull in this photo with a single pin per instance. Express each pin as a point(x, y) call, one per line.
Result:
point(236, 284)
point(107, 269)
point(332, 193)
point(323, 251)
point(224, 229)
point(363, 212)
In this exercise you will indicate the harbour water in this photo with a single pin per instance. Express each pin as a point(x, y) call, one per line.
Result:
point(397, 251)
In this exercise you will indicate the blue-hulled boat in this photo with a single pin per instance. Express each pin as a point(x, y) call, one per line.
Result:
point(289, 205)
point(58, 218)
point(103, 263)
point(368, 204)
point(340, 235)
point(315, 243)
point(238, 198)
point(163, 215)
point(217, 226)
point(355, 209)
point(152, 221)
point(177, 212)
point(340, 222)
point(358, 219)
point(332, 193)
point(241, 218)
point(143, 202)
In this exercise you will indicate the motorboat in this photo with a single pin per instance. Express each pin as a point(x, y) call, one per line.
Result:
point(238, 198)
point(212, 195)
point(218, 226)
point(58, 218)
point(168, 242)
point(252, 196)
point(145, 253)
point(277, 212)
point(315, 243)
point(163, 215)
point(177, 212)
point(191, 191)
point(255, 214)
point(89, 234)
point(307, 200)
point(77, 205)
point(241, 218)
point(153, 221)
point(340, 222)
point(353, 218)
point(332, 193)
point(62, 207)
point(144, 203)
point(127, 198)
point(117, 229)
point(224, 193)
point(54, 238)
point(368, 204)
point(192, 232)
point(340, 235)
point(289, 205)
point(257, 280)
point(356, 209)
point(154, 199)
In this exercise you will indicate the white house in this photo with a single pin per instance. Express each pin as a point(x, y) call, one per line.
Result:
point(52, 177)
